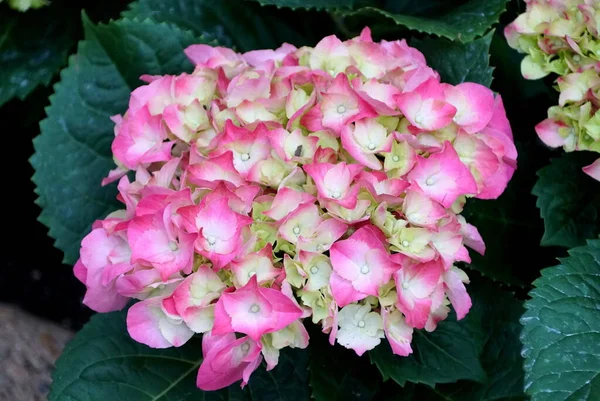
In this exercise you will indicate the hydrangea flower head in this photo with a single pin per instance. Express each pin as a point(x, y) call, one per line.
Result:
point(562, 38)
point(277, 187)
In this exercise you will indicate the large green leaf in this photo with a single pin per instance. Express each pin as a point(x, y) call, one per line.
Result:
point(104, 363)
point(497, 313)
point(33, 47)
point(501, 358)
point(243, 25)
point(561, 333)
point(448, 354)
point(459, 62)
point(569, 201)
point(464, 22)
point(73, 150)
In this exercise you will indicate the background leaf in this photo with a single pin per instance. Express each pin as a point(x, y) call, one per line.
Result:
point(497, 313)
point(463, 22)
point(501, 357)
point(33, 47)
point(561, 329)
point(233, 23)
point(459, 62)
point(448, 354)
point(103, 363)
point(569, 201)
point(73, 150)
point(125, 44)
point(318, 4)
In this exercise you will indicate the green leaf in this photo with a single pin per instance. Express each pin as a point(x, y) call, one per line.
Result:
point(561, 329)
point(121, 42)
point(103, 363)
point(73, 150)
point(501, 358)
point(464, 22)
point(498, 314)
point(33, 47)
point(569, 201)
point(448, 354)
point(459, 62)
point(421, 8)
point(233, 23)
point(317, 4)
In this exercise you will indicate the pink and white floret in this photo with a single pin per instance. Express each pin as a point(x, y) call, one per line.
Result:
point(277, 187)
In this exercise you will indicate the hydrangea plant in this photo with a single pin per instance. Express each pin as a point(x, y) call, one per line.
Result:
point(265, 200)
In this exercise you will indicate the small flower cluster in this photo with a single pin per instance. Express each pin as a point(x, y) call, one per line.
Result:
point(281, 185)
point(24, 5)
point(562, 37)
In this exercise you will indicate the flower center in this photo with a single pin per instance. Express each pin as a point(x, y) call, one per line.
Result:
point(296, 230)
point(429, 181)
point(396, 159)
point(405, 243)
point(319, 247)
point(405, 285)
point(365, 269)
point(251, 273)
point(211, 240)
point(371, 146)
point(341, 109)
point(361, 323)
point(173, 246)
point(245, 157)
point(254, 308)
point(245, 347)
point(336, 194)
point(314, 270)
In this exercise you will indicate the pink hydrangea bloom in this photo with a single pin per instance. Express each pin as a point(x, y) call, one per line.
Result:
point(280, 186)
point(254, 311)
point(227, 360)
point(361, 265)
